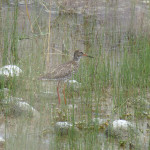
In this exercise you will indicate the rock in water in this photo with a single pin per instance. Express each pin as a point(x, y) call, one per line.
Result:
point(10, 71)
point(63, 128)
point(2, 142)
point(74, 84)
point(126, 132)
point(28, 108)
point(120, 128)
point(15, 106)
point(122, 124)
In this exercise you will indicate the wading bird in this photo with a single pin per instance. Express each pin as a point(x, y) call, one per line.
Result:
point(64, 71)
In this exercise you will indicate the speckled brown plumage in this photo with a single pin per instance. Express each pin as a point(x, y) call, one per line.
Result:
point(63, 71)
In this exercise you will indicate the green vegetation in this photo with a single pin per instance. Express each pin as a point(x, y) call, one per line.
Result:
point(115, 84)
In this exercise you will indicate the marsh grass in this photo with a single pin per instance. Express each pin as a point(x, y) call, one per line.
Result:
point(111, 87)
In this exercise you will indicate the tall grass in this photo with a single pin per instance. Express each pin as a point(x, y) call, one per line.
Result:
point(113, 85)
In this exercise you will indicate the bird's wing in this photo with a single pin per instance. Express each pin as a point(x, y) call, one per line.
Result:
point(61, 71)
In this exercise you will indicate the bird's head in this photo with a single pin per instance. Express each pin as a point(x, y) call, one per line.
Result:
point(79, 54)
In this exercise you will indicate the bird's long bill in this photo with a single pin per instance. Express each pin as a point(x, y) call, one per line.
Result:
point(88, 56)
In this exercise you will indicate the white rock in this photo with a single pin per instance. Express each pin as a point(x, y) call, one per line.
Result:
point(18, 106)
point(125, 131)
point(145, 2)
point(63, 124)
point(2, 141)
point(121, 128)
point(117, 124)
point(62, 128)
point(26, 107)
point(74, 83)
point(10, 71)
point(11, 100)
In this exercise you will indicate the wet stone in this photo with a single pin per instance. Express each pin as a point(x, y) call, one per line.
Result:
point(2, 142)
point(63, 128)
point(120, 128)
point(9, 75)
point(17, 107)
point(10, 71)
point(74, 84)
point(124, 131)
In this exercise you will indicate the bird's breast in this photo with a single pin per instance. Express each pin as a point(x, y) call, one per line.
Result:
point(74, 67)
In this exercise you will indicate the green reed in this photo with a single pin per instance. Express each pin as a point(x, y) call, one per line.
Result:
point(107, 83)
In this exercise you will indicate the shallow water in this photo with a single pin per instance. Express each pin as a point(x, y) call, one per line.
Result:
point(41, 50)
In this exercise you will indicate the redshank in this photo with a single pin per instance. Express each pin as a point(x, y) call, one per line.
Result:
point(65, 71)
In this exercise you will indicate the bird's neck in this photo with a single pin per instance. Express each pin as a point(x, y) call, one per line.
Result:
point(77, 60)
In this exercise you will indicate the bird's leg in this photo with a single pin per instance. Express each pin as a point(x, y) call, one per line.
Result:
point(64, 94)
point(58, 93)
